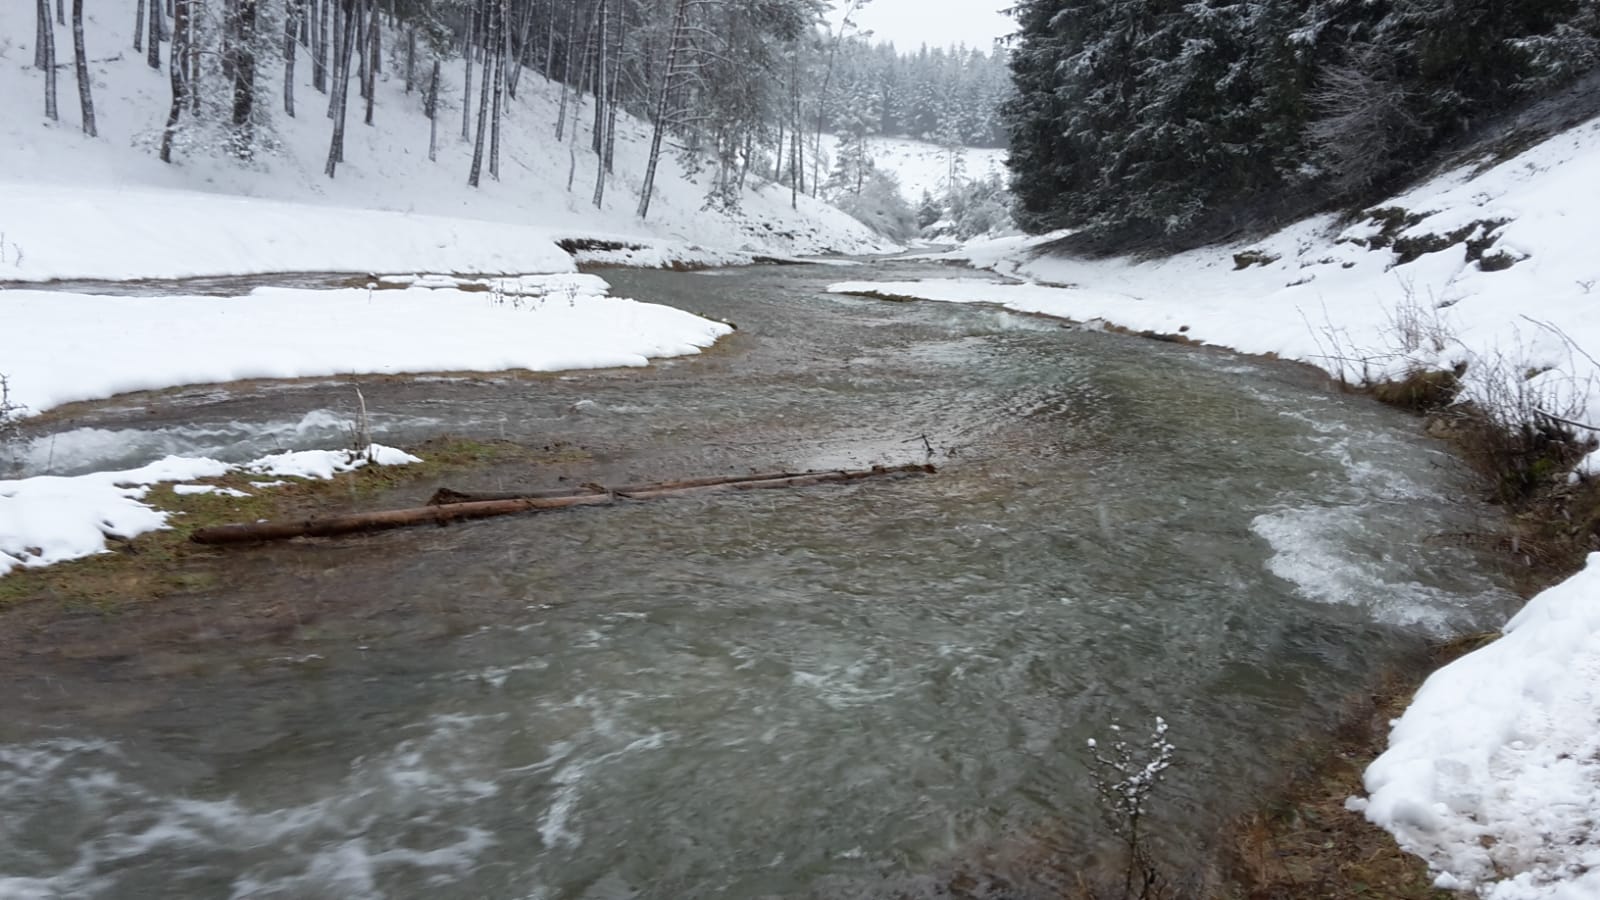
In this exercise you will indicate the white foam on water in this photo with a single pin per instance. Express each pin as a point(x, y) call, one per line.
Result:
point(98, 449)
point(336, 846)
point(556, 828)
point(1328, 557)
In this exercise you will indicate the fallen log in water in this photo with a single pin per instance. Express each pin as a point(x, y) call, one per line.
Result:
point(452, 506)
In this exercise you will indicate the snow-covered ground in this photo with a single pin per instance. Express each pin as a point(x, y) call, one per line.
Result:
point(79, 347)
point(74, 206)
point(921, 166)
point(83, 347)
point(1492, 775)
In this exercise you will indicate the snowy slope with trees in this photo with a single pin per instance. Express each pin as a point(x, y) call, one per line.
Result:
point(536, 163)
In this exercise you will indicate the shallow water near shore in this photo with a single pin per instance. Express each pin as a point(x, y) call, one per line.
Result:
point(837, 692)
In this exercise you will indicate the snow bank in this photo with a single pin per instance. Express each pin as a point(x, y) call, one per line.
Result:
point(62, 231)
point(1345, 300)
point(80, 347)
point(1493, 774)
point(50, 519)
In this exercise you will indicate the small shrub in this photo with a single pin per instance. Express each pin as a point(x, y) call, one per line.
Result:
point(1125, 777)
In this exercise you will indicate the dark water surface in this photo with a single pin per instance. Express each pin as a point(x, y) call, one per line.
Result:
point(839, 692)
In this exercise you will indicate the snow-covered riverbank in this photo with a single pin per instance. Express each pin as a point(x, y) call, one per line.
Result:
point(81, 347)
point(1491, 776)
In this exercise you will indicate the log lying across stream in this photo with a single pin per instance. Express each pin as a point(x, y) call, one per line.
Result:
point(453, 506)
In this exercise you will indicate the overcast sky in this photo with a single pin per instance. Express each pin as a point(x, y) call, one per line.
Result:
point(910, 23)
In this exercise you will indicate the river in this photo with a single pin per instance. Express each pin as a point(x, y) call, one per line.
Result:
point(875, 690)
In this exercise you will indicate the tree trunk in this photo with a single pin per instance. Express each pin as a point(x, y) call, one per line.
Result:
point(341, 85)
point(138, 26)
point(616, 93)
point(433, 113)
point(61, 12)
point(577, 105)
point(515, 76)
point(319, 47)
point(80, 66)
point(483, 119)
point(292, 14)
point(566, 68)
point(47, 34)
point(466, 80)
point(602, 99)
point(680, 22)
point(375, 48)
point(411, 59)
point(597, 130)
point(443, 513)
point(193, 50)
point(500, 36)
point(153, 50)
point(339, 16)
point(176, 69)
point(244, 79)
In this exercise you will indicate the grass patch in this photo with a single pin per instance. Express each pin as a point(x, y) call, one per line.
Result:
point(162, 563)
point(1302, 842)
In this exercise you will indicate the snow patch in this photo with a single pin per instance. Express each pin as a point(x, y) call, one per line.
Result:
point(1493, 774)
point(49, 519)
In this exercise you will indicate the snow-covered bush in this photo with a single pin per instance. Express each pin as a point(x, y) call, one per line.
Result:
point(975, 208)
point(10, 416)
point(880, 206)
point(1125, 776)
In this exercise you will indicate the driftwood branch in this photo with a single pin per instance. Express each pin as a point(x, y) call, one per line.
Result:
point(453, 506)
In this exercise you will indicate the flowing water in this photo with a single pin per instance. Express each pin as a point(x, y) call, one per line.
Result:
point(847, 691)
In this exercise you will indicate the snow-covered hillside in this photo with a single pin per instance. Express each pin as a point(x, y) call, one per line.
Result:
point(386, 168)
point(1492, 775)
point(921, 166)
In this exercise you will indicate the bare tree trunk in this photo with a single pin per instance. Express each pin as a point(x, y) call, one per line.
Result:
point(483, 114)
point(680, 23)
point(80, 66)
point(153, 52)
point(319, 47)
point(411, 59)
point(177, 70)
point(47, 33)
point(577, 105)
point(341, 85)
point(501, 36)
point(138, 26)
point(550, 46)
point(616, 92)
point(339, 15)
point(292, 15)
point(566, 68)
point(602, 99)
point(61, 12)
point(433, 113)
point(466, 80)
point(244, 79)
point(361, 47)
point(375, 47)
point(515, 76)
point(192, 50)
